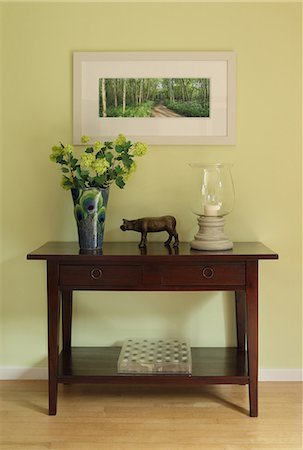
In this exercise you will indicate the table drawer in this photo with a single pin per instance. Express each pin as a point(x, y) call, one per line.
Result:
point(100, 275)
point(204, 275)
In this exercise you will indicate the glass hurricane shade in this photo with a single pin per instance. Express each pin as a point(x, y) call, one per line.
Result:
point(214, 193)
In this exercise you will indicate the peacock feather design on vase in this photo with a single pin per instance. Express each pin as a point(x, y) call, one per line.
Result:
point(90, 210)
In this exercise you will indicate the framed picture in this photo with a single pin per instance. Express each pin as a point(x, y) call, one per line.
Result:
point(155, 97)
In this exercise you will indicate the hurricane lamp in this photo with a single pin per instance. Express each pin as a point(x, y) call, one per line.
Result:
point(213, 199)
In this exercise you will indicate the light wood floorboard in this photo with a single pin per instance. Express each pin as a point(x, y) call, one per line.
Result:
point(101, 417)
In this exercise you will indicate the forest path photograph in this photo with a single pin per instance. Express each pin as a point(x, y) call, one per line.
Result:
point(154, 97)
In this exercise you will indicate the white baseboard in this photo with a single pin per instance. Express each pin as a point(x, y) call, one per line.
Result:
point(281, 375)
point(41, 373)
point(23, 373)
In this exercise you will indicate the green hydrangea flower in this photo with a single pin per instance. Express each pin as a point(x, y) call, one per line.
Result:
point(57, 150)
point(87, 160)
point(85, 139)
point(139, 149)
point(68, 149)
point(121, 139)
point(101, 166)
point(97, 146)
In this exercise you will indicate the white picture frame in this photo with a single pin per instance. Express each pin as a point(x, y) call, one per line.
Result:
point(217, 129)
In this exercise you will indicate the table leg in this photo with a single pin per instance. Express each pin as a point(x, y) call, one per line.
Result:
point(240, 319)
point(67, 309)
point(53, 306)
point(252, 333)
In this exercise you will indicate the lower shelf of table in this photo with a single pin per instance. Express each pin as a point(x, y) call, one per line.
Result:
point(213, 365)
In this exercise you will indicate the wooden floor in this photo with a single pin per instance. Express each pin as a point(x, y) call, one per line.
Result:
point(100, 417)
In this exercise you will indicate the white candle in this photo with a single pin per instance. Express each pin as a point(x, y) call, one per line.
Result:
point(211, 210)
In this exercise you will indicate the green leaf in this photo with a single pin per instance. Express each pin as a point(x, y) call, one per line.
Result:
point(85, 174)
point(109, 157)
point(73, 163)
point(108, 145)
point(67, 183)
point(120, 182)
point(64, 169)
point(127, 145)
point(79, 174)
point(80, 184)
point(118, 170)
point(89, 150)
point(60, 160)
point(127, 160)
point(112, 175)
point(100, 180)
point(119, 148)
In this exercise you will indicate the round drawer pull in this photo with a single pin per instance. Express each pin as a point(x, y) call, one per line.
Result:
point(96, 273)
point(208, 272)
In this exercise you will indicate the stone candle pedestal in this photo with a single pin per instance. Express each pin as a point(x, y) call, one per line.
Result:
point(211, 235)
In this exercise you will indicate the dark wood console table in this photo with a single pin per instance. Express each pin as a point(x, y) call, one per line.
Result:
point(125, 267)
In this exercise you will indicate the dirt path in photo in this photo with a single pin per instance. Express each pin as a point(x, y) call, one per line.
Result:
point(162, 111)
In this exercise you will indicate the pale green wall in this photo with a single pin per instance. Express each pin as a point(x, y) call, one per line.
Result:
point(1, 165)
point(39, 39)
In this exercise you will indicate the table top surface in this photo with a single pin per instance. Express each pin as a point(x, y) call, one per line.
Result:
point(69, 251)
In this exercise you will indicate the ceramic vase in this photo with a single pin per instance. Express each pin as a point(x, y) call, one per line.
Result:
point(90, 211)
